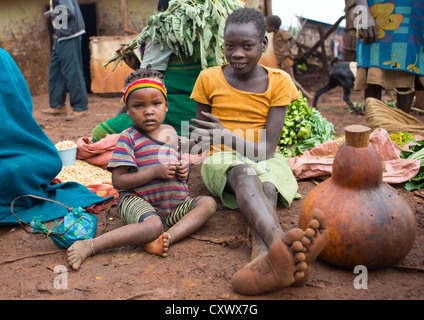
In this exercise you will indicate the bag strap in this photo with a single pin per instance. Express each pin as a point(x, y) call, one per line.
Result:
point(24, 224)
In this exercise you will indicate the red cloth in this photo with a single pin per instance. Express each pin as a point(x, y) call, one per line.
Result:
point(103, 190)
point(98, 153)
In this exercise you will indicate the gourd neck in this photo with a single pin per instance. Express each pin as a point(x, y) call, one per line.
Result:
point(357, 164)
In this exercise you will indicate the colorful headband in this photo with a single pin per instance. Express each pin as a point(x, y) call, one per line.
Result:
point(143, 83)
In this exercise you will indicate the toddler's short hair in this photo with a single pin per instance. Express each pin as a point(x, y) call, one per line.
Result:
point(248, 15)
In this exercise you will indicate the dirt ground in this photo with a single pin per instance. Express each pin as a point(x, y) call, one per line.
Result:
point(201, 266)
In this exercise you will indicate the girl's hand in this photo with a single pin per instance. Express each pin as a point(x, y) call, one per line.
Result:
point(207, 131)
point(211, 122)
point(165, 170)
point(183, 169)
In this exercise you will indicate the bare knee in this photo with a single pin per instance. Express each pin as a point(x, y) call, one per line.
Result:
point(154, 226)
point(207, 205)
point(241, 176)
point(244, 182)
point(270, 192)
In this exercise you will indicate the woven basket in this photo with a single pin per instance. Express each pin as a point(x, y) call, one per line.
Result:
point(380, 115)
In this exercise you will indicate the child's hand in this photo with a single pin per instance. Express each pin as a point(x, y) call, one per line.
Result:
point(183, 170)
point(210, 122)
point(207, 131)
point(166, 170)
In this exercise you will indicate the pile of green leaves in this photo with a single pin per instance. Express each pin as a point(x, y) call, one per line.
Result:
point(304, 128)
point(193, 28)
point(417, 152)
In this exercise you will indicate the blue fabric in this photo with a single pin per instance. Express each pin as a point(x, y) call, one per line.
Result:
point(77, 225)
point(29, 160)
point(401, 48)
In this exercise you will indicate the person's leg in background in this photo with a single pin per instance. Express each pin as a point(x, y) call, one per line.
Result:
point(72, 71)
point(57, 86)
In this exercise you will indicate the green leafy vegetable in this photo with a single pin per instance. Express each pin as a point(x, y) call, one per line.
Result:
point(192, 28)
point(417, 153)
point(304, 128)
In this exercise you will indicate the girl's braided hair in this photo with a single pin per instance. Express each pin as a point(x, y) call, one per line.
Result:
point(141, 73)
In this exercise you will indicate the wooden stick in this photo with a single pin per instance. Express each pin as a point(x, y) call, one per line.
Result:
point(400, 266)
point(30, 256)
point(419, 194)
point(212, 239)
point(418, 110)
point(325, 36)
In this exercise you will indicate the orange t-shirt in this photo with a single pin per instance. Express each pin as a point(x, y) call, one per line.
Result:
point(244, 113)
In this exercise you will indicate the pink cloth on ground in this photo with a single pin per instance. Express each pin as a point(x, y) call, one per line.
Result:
point(318, 161)
point(98, 153)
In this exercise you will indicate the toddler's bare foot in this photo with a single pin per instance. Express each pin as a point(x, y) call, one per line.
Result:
point(281, 267)
point(159, 246)
point(78, 252)
point(314, 239)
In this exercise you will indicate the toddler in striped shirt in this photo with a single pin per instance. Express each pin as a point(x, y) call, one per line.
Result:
point(151, 177)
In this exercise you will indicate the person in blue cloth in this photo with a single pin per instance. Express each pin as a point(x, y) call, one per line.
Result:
point(29, 161)
point(390, 49)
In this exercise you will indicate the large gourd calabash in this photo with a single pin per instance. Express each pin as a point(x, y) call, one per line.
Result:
point(368, 222)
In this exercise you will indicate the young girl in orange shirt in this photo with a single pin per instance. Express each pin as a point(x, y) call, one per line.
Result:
point(241, 111)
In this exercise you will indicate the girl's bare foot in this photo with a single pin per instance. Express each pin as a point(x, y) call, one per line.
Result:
point(281, 267)
point(315, 237)
point(159, 246)
point(79, 251)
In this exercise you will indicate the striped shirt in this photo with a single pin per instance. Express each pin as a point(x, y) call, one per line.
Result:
point(138, 150)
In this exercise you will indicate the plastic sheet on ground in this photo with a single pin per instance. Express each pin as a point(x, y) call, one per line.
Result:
point(318, 161)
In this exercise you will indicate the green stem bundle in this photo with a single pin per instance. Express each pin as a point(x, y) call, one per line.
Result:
point(191, 28)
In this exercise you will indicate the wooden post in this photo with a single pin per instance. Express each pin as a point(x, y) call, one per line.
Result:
point(349, 40)
point(322, 43)
point(327, 33)
point(268, 8)
point(124, 15)
point(419, 101)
